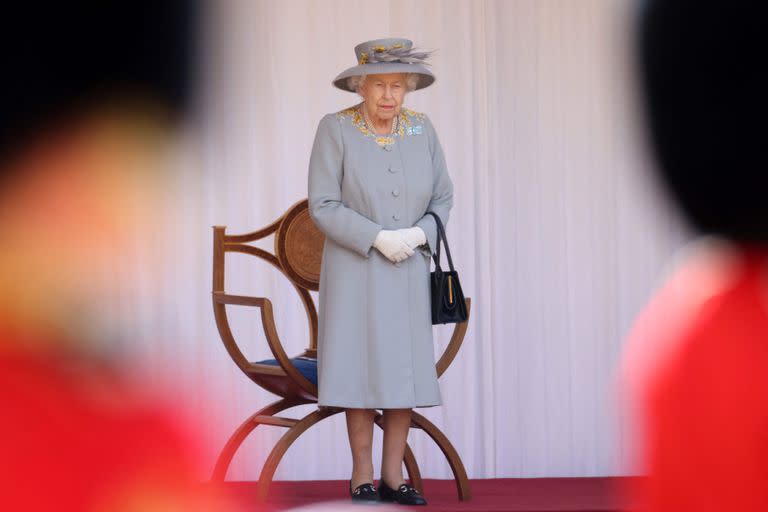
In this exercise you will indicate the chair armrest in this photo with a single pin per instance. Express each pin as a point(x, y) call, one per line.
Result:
point(220, 300)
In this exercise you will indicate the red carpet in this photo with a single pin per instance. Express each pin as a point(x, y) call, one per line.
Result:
point(497, 495)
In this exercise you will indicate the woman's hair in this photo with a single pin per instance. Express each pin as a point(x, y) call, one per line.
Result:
point(356, 82)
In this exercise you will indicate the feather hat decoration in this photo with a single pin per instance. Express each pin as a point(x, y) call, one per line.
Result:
point(397, 53)
point(392, 55)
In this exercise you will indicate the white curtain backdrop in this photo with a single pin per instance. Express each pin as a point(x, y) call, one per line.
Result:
point(557, 231)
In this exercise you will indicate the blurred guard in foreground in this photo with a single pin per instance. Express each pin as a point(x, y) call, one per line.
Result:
point(697, 358)
point(91, 95)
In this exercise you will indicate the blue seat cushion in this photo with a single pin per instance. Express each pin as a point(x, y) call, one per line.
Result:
point(307, 366)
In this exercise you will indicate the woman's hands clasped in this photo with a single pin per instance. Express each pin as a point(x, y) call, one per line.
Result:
point(414, 236)
point(392, 244)
point(398, 245)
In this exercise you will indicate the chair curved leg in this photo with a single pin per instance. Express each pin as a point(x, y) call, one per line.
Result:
point(411, 466)
point(459, 473)
point(239, 435)
point(285, 442)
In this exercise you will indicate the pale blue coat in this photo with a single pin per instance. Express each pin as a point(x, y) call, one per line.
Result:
point(375, 347)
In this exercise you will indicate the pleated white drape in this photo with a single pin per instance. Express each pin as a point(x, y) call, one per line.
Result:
point(557, 232)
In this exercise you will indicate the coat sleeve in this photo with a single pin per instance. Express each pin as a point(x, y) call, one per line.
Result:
point(442, 192)
point(345, 226)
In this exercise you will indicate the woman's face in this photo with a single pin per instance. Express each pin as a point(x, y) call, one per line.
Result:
point(383, 95)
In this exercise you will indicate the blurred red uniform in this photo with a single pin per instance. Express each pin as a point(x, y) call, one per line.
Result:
point(74, 438)
point(697, 364)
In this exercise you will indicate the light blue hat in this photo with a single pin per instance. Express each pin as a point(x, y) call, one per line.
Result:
point(390, 55)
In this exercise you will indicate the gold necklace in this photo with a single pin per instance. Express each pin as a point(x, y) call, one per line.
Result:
point(384, 141)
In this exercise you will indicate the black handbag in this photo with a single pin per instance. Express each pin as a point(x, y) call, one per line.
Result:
point(448, 304)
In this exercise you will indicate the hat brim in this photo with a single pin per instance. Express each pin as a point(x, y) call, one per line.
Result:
point(426, 78)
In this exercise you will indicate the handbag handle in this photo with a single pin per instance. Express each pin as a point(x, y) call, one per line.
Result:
point(441, 235)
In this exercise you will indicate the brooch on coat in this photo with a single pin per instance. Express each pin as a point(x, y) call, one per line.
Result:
point(414, 130)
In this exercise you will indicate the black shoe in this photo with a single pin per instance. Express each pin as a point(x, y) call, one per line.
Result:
point(363, 492)
point(404, 494)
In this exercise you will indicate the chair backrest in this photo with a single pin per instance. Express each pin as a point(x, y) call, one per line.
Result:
point(297, 255)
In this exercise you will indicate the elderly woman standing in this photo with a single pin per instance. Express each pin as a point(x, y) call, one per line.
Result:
point(376, 168)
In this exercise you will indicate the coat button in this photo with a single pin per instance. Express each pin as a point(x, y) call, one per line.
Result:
point(396, 216)
point(395, 192)
point(393, 170)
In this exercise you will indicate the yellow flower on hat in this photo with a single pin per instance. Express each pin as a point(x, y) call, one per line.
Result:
point(379, 49)
point(363, 58)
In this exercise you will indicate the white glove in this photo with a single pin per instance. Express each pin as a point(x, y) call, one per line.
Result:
point(414, 236)
point(392, 245)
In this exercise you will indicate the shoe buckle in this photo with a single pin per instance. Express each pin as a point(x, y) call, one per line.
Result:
point(362, 487)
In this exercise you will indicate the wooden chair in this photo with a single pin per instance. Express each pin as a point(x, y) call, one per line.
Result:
point(298, 252)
